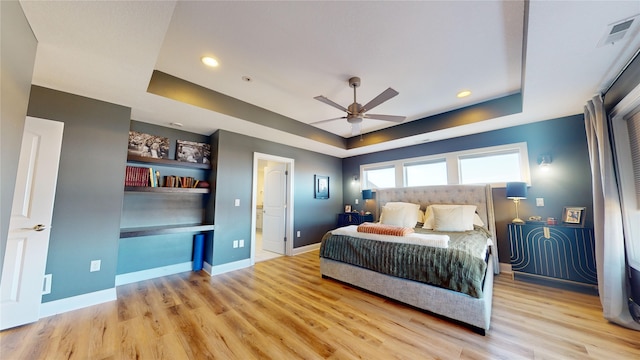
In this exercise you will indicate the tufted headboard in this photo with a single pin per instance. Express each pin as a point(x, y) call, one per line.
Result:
point(479, 195)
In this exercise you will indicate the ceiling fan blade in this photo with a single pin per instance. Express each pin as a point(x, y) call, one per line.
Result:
point(355, 129)
point(324, 121)
point(384, 96)
point(393, 118)
point(330, 102)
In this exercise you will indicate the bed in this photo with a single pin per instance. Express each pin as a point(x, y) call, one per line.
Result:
point(467, 304)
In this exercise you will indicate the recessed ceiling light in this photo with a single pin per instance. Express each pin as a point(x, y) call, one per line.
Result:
point(209, 61)
point(464, 93)
point(176, 124)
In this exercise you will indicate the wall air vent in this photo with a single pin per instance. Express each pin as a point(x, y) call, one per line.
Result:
point(618, 30)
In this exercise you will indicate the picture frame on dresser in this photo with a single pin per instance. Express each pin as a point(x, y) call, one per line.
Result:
point(573, 215)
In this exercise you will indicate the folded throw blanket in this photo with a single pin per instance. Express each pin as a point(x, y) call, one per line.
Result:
point(383, 229)
point(434, 240)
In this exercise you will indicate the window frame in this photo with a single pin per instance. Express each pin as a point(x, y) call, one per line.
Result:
point(452, 160)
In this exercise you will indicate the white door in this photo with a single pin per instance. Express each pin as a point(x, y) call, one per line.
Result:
point(274, 208)
point(29, 227)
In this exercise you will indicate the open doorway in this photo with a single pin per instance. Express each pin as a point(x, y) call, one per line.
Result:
point(272, 225)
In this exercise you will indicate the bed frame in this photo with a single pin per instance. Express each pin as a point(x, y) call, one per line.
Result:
point(473, 312)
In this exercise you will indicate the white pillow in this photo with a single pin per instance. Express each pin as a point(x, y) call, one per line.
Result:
point(467, 220)
point(477, 220)
point(392, 215)
point(400, 214)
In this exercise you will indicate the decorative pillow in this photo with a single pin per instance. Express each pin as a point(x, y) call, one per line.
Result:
point(400, 214)
point(467, 219)
point(477, 220)
point(384, 229)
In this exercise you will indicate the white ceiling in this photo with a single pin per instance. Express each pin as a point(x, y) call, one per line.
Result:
point(293, 51)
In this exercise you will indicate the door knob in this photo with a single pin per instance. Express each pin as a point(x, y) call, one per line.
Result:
point(39, 227)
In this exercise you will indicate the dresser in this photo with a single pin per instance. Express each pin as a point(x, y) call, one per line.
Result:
point(561, 253)
point(353, 218)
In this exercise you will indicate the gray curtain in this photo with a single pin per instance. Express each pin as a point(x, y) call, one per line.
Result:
point(607, 218)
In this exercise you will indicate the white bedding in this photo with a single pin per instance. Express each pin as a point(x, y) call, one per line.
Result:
point(434, 240)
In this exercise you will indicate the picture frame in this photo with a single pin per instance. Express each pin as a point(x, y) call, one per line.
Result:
point(573, 215)
point(147, 145)
point(193, 152)
point(321, 187)
point(347, 208)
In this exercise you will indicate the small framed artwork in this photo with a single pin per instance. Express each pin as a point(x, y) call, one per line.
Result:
point(147, 145)
point(193, 152)
point(573, 215)
point(347, 208)
point(321, 187)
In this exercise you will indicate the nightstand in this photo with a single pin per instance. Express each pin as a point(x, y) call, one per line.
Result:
point(353, 218)
point(554, 252)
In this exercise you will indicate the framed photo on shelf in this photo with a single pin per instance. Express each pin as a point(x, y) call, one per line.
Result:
point(193, 152)
point(573, 215)
point(321, 187)
point(147, 145)
point(347, 208)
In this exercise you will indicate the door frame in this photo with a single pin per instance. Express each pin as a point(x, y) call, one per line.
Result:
point(254, 201)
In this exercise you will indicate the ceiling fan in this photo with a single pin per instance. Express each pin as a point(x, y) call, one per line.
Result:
point(356, 112)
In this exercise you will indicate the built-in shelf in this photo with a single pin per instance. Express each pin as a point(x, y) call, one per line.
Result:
point(169, 162)
point(166, 190)
point(162, 230)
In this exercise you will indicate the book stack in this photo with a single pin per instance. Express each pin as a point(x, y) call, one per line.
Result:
point(180, 181)
point(140, 176)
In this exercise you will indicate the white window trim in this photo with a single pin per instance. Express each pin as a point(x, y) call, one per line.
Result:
point(453, 164)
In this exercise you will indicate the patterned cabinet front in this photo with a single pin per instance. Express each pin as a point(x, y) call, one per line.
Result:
point(560, 252)
point(353, 218)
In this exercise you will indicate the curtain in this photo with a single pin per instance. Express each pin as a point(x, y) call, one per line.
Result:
point(607, 218)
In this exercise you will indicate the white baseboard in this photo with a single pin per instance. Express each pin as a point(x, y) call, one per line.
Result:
point(77, 302)
point(136, 276)
point(236, 265)
point(307, 248)
point(206, 267)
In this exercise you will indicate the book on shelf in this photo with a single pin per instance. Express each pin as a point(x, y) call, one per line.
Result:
point(180, 181)
point(141, 176)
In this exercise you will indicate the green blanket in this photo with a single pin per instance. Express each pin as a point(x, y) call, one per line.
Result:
point(458, 267)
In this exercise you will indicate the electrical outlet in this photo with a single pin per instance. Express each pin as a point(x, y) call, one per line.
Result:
point(237, 202)
point(539, 201)
point(356, 201)
point(235, 244)
point(241, 243)
point(95, 265)
point(298, 233)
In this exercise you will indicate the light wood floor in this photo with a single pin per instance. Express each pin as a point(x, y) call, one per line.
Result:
point(283, 309)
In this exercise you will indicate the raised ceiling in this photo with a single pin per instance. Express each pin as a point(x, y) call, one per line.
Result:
point(547, 52)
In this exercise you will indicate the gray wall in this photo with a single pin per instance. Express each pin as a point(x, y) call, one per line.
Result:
point(234, 169)
point(18, 51)
point(86, 213)
point(567, 183)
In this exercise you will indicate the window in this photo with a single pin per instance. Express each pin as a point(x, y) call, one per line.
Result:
point(425, 173)
point(490, 168)
point(495, 165)
point(379, 178)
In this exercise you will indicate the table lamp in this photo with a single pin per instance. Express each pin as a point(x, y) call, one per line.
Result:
point(516, 191)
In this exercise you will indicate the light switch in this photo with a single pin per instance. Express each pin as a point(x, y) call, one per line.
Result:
point(237, 202)
point(539, 201)
point(356, 201)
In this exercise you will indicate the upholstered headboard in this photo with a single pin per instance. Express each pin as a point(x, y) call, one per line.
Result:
point(479, 195)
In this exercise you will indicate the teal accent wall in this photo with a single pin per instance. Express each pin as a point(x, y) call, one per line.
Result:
point(151, 209)
point(18, 54)
point(86, 213)
point(567, 183)
point(234, 170)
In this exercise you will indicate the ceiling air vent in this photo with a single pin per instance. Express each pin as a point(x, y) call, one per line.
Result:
point(617, 31)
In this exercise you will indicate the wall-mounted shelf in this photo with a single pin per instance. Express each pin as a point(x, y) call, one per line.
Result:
point(166, 190)
point(168, 162)
point(165, 229)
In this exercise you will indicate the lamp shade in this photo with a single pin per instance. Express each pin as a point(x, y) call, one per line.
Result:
point(367, 194)
point(517, 190)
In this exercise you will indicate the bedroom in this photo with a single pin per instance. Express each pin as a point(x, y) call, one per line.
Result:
point(237, 146)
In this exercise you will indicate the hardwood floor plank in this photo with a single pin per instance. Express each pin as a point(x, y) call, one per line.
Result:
point(284, 309)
